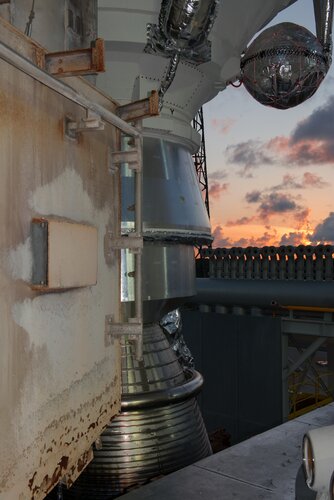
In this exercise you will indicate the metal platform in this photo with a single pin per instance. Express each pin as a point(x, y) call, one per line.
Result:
point(263, 467)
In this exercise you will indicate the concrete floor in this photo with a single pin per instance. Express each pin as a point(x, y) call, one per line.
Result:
point(263, 467)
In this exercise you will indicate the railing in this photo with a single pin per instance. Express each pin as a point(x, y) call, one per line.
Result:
point(303, 262)
point(307, 395)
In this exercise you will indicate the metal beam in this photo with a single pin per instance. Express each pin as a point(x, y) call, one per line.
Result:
point(138, 110)
point(305, 355)
point(307, 327)
point(77, 62)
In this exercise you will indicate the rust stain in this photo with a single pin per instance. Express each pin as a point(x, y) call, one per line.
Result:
point(65, 467)
point(31, 481)
point(63, 462)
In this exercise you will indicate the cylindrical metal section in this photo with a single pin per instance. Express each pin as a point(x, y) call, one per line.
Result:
point(173, 208)
point(159, 369)
point(143, 445)
point(168, 272)
point(159, 430)
point(264, 293)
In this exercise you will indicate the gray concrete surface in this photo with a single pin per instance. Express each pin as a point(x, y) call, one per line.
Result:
point(263, 467)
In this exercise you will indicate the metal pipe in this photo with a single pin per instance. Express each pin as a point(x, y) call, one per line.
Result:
point(30, 69)
point(323, 13)
point(264, 293)
point(138, 255)
point(166, 396)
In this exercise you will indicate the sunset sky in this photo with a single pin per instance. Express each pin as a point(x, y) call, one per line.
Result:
point(271, 172)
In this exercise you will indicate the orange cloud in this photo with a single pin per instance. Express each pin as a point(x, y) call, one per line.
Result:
point(302, 218)
point(294, 238)
point(222, 240)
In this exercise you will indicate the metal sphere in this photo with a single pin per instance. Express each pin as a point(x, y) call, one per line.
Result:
point(284, 66)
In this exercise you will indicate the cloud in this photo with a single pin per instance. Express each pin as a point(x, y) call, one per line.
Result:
point(223, 125)
point(253, 196)
point(248, 155)
point(243, 221)
point(318, 126)
point(220, 240)
point(218, 175)
point(311, 143)
point(301, 153)
point(308, 180)
point(273, 203)
point(302, 217)
point(266, 239)
point(292, 238)
point(276, 203)
point(217, 188)
point(324, 232)
point(313, 180)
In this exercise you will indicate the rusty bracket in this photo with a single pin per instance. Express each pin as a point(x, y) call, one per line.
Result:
point(138, 110)
point(132, 157)
point(77, 62)
point(91, 123)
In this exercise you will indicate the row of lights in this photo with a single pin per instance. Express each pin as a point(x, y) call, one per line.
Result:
point(318, 460)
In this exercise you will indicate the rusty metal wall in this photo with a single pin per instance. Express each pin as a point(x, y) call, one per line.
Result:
point(59, 380)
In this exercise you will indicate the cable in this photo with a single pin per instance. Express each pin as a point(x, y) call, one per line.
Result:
point(31, 17)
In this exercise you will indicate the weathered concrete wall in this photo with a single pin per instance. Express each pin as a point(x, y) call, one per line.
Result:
point(59, 380)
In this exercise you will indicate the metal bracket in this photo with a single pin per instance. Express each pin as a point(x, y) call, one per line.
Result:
point(133, 330)
point(133, 243)
point(138, 110)
point(77, 62)
point(92, 123)
point(132, 157)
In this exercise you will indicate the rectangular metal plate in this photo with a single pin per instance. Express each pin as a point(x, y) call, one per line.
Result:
point(72, 254)
point(65, 254)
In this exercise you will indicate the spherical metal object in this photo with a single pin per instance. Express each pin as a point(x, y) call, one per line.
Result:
point(284, 66)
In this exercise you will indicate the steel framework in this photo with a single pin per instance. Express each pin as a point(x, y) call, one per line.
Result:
point(200, 159)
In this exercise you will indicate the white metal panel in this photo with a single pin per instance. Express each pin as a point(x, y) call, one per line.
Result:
point(72, 255)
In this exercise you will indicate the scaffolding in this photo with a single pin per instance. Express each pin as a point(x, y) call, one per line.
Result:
point(200, 159)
